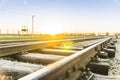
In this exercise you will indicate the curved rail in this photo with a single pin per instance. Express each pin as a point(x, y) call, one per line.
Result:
point(68, 68)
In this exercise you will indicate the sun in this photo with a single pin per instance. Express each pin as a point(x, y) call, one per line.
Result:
point(52, 30)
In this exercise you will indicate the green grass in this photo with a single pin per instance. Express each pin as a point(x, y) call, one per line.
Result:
point(2, 38)
point(19, 38)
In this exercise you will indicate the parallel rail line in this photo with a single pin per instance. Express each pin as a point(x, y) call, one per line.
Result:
point(49, 60)
point(16, 48)
point(69, 68)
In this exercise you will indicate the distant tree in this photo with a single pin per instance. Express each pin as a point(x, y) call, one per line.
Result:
point(107, 34)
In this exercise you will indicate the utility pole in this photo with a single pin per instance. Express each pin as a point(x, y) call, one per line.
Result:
point(33, 24)
point(13, 31)
point(0, 31)
point(7, 31)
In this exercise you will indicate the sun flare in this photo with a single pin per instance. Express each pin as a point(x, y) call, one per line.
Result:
point(49, 30)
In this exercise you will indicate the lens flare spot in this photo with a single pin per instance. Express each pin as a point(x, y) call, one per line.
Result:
point(67, 45)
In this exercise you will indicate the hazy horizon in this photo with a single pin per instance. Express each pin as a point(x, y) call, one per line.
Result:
point(57, 16)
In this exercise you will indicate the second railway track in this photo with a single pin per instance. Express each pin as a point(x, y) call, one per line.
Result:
point(48, 60)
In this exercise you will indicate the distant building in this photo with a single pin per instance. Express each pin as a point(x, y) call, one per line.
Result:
point(24, 30)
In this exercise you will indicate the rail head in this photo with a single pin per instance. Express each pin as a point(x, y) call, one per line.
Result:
point(59, 69)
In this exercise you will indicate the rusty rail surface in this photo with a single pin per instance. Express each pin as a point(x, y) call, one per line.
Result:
point(69, 68)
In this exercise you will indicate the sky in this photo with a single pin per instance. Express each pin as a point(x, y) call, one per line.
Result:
point(56, 16)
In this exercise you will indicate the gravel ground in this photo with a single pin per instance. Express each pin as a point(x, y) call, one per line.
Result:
point(114, 71)
point(115, 63)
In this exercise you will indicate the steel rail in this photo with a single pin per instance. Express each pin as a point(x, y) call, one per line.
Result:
point(17, 48)
point(16, 41)
point(26, 40)
point(69, 66)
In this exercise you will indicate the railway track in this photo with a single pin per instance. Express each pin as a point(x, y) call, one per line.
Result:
point(49, 60)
